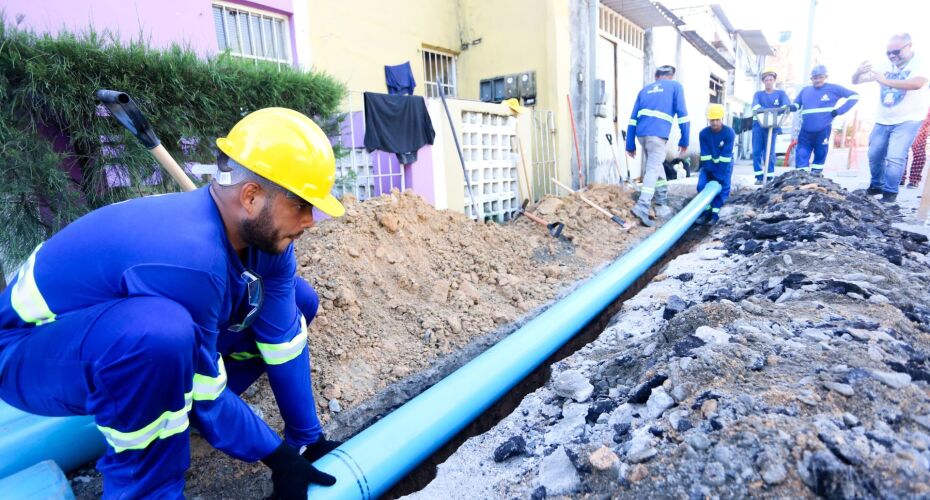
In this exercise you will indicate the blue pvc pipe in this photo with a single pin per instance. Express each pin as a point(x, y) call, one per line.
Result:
point(43, 480)
point(370, 463)
point(27, 439)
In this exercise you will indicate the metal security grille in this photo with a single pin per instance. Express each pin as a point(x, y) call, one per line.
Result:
point(544, 153)
point(251, 34)
point(620, 27)
point(439, 73)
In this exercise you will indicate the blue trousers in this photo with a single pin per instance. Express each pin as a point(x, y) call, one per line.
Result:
point(817, 142)
point(888, 147)
point(127, 362)
point(722, 175)
point(760, 138)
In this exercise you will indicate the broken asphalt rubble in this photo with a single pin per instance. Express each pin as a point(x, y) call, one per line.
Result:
point(786, 357)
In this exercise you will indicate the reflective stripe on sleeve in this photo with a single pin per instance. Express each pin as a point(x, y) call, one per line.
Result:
point(208, 388)
point(632, 122)
point(166, 425)
point(683, 119)
point(276, 354)
point(26, 298)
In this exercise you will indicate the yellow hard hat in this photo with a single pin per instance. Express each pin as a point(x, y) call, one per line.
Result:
point(286, 148)
point(715, 112)
point(769, 71)
point(514, 105)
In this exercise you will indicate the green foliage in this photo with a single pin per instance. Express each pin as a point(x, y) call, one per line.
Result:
point(47, 84)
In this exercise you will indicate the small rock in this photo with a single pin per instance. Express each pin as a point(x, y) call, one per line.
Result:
point(573, 384)
point(389, 221)
point(711, 335)
point(549, 206)
point(892, 379)
point(815, 335)
point(334, 406)
point(516, 445)
point(715, 473)
point(850, 420)
point(751, 307)
point(566, 430)
point(641, 448)
point(658, 402)
point(557, 474)
point(698, 441)
point(787, 259)
point(641, 393)
point(711, 254)
point(638, 473)
point(771, 468)
point(673, 306)
point(685, 277)
point(650, 349)
point(922, 420)
point(603, 458)
point(353, 252)
point(455, 323)
point(844, 389)
point(709, 408)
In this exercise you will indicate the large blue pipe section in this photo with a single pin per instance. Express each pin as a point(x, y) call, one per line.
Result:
point(370, 463)
point(27, 439)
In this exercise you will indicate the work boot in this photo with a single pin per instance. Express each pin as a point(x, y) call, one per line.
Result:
point(642, 212)
point(872, 191)
point(758, 181)
point(663, 211)
point(704, 218)
point(912, 185)
point(889, 198)
point(713, 220)
point(817, 173)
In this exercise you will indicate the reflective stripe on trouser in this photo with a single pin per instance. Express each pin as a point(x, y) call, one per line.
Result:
point(662, 191)
point(654, 147)
point(808, 142)
point(760, 139)
point(128, 362)
point(25, 296)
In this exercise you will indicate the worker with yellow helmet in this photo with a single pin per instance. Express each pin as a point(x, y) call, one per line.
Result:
point(716, 142)
point(767, 99)
point(154, 315)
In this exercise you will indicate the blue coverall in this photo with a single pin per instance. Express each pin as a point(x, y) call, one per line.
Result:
point(760, 136)
point(818, 108)
point(716, 164)
point(658, 106)
point(125, 315)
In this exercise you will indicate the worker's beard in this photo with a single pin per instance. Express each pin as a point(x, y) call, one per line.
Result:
point(261, 233)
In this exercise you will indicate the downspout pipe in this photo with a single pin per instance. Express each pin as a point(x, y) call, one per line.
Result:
point(370, 463)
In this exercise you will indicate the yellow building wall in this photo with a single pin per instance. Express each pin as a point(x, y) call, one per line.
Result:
point(353, 41)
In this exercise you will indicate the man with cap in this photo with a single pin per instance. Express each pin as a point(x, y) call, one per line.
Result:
point(162, 327)
point(769, 98)
point(716, 142)
point(658, 106)
point(904, 101)
point(818, 106)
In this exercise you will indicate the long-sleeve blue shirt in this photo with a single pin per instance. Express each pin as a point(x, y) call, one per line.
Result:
point(175, 246)
point(763, 100)
point(655, 111)
point(717, 148)
point(817, 105)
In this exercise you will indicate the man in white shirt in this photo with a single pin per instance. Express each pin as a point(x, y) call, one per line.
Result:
point(904, 101)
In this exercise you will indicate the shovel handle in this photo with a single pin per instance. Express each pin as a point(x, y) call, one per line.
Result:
point(174, 170)
point(589, 202)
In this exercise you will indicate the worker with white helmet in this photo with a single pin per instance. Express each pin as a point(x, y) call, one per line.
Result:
point(764, 100)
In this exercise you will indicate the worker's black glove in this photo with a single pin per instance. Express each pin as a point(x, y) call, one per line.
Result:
point(292, 474)
point(319, 448)
point(833, 113)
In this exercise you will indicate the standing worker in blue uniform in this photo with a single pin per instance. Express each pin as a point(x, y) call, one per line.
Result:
point(154, 314)
point(658, 106)
point(767, 99)
point(716, 142)
point(818, 106)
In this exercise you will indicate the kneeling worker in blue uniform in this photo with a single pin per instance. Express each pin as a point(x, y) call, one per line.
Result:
point(716, 162)
point(154, 314)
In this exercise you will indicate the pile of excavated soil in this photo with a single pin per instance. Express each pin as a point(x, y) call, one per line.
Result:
point(791, 359)
point(402, 285)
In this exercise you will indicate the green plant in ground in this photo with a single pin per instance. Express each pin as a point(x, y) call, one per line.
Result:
point(47, 85)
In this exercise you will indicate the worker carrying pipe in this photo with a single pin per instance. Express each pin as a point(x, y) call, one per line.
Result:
point(716, 142)
point(818, 104)
point(659, 105)
point(157, 313)
point(768, 99)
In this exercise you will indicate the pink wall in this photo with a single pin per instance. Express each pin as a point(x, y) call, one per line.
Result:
point(162, 22)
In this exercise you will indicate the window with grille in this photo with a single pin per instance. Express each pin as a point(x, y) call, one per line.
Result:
point(251, 34)
point(439, 73)
point(716, 90)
